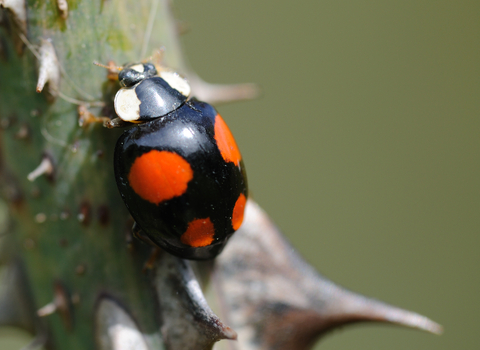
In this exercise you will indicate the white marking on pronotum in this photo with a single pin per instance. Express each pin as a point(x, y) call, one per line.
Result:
point(138, 67)
point(19, 11)
point(176, 81)
point(63, 8)
point(127, 104)
point(49, 70)
point(45, 168)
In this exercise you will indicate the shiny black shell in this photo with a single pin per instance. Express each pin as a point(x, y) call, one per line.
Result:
point(157, 98)
point(211, 193)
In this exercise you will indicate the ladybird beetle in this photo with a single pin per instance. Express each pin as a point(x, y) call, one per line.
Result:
point(178, 170)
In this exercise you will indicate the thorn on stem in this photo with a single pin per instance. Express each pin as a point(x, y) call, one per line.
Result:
point(45, 168)
point(46, 310)
point(49, 70)
point(18, 9)
point(62, 303)
point(115, 329)
point(63, 8)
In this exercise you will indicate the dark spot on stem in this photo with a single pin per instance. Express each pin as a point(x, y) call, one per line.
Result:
point(63, 303)
point(85, 213)
point(103, 215)
point(24, 132)
point(80, 269)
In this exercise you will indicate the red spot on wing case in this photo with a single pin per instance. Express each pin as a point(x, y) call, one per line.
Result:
point(238, 211)
point(200, 233)
point(157, 176)
point(225, 142)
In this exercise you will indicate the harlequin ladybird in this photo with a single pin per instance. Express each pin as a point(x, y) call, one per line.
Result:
point(179, 170)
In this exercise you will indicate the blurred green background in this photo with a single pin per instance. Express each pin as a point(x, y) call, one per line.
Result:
point(364, 147)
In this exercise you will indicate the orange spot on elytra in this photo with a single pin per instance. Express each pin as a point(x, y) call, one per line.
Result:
point(225, 142)
point(238, 211)
point(157, 176)
point(199, 233)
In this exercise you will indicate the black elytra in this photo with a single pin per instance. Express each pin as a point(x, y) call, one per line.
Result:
point(212, 192)
point(178, 169)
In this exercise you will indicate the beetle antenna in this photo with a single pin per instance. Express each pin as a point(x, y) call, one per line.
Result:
point(157, 56)
point(110, 67)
